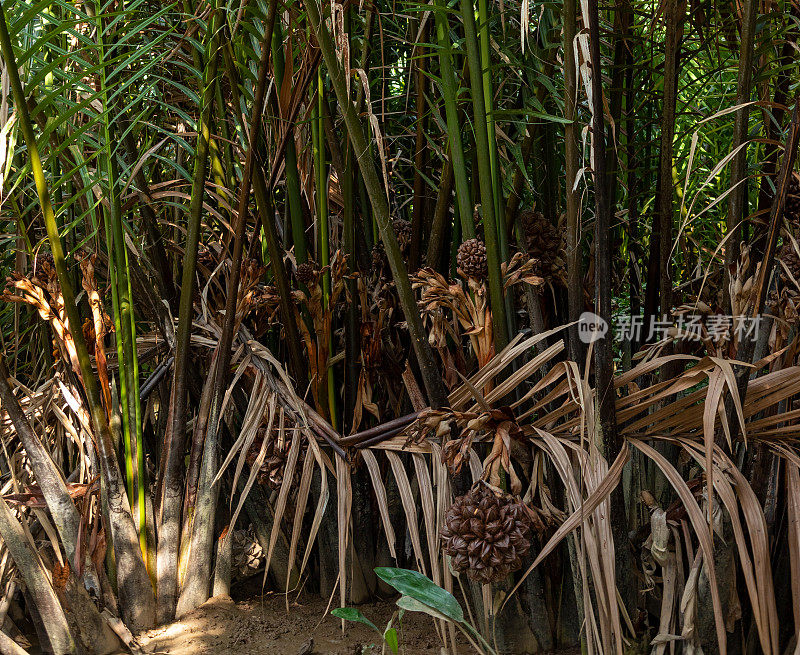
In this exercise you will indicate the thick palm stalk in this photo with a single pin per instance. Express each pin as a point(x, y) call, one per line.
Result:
point(441, 214)
point(171, 491)
point(761, 288)
point(367, 220)
point(141, 477)
point(488, 101)
point(437, 395)
point(632, 159)
point(622, 23)
point(292, 175)
point(486, 184)
point(51, 482)
point(54, 622)
point(323, 237)
point(674, 16)
point(352, 333)
point(773, 119)
point(136, 594)
point(449, 89)
point(198, 575)
point(420, 154)
point(572, 165)
point(604, 352)
point(737, 200)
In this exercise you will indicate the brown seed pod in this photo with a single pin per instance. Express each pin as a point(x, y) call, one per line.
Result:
point(45, 268)
point(306, 272)
point(542, 241)
point(789, 257)
point(402, 230)
point(486, 534)
point(378, 257)
point(471, 259)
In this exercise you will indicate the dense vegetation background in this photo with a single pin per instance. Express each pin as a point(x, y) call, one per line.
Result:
point(285, 279)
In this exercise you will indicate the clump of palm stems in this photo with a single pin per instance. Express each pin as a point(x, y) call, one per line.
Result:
point(296, 290)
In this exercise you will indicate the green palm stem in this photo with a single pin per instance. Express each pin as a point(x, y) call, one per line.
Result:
point(170, 489)
point(129, 369)
point(141, 481)
point(123, 378)
point(198, 574)
point(224, 147)
point(154, 248)
point(120, 322)
point(323, 235)
point(121, 260)
point(136, 594)
point(482, 149)
point(293, 196)
point(449, 92)
point(217, 169)
point(437, 395)
point(488, 99)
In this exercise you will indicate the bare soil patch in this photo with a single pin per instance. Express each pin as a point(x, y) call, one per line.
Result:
point(262, 625)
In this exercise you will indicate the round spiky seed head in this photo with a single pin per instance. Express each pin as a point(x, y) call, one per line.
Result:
point(486, 534)
point(792, 209)
point(471, 259)
point(542, 241)
point(306, 272)
point(402, 230)
point(789, 257)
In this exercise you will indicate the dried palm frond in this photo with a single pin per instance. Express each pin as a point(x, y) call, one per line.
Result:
point(469, 307)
